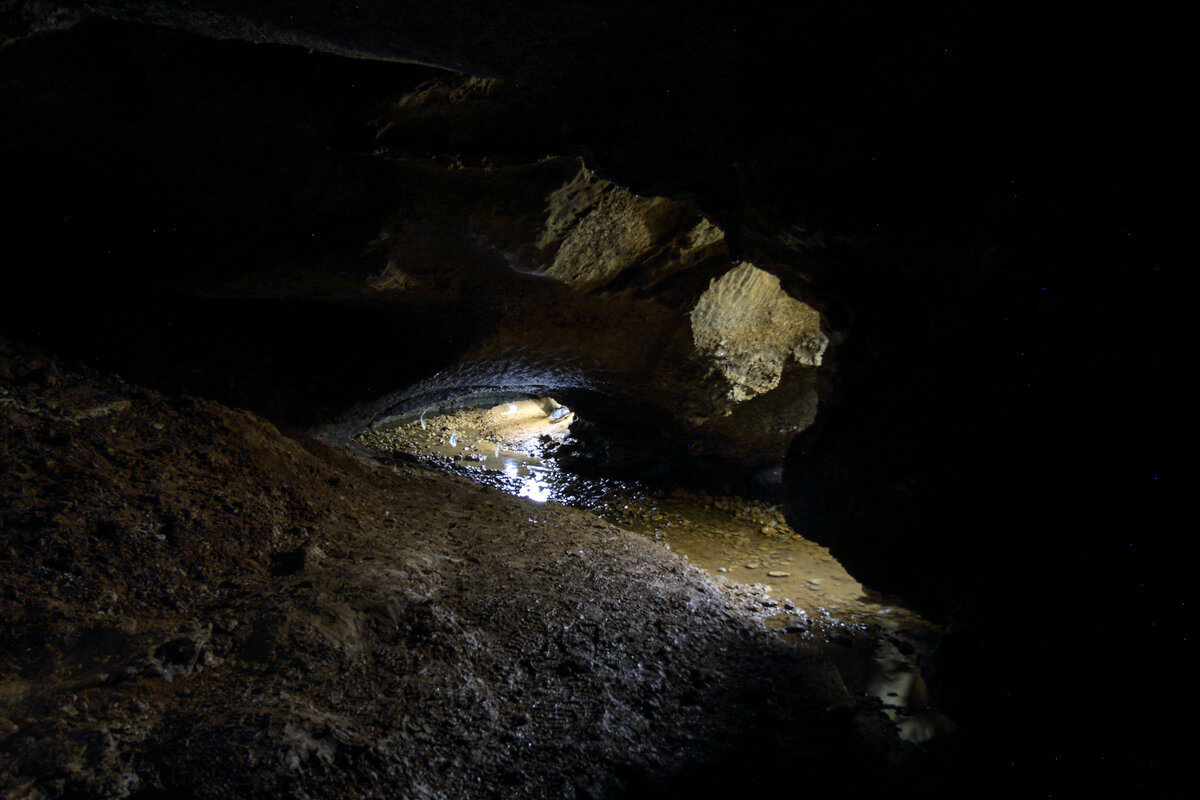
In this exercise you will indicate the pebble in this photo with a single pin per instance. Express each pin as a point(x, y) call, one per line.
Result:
point(778, 574)
point(722, 569)
point(814, 581)
point(752, 566)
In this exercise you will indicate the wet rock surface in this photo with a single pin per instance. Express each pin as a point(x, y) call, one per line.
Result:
point(196, 605)
point(769, 570)
point(751, 329)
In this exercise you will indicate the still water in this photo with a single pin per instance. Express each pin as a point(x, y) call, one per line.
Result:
point(793, 584)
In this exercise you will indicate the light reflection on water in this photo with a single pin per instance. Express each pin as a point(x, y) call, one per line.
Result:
point(524, 476)
point(729, 538)
point(538, 479)
point(795, 585)
point(535, 491)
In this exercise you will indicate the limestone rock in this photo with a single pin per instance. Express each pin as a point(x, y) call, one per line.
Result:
point(601, 229)
point(391, 279)
point(568, 204)
point(608, 240)
point(750, 328)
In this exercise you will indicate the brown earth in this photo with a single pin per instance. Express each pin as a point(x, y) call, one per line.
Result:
point(195, 605)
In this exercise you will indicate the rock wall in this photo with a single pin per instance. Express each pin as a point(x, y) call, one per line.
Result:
point(598, 230)
point(896, 136)
point(613, 236)
point(464, 259)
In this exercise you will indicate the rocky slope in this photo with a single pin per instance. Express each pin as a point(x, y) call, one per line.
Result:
point(194, 605)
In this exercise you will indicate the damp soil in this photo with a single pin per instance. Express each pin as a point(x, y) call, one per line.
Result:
point(800, 591)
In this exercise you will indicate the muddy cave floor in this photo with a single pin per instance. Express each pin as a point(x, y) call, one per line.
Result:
point(794, 585)
point(196, 605)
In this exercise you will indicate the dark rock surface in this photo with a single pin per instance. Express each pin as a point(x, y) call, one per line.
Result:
point(479, 272)
point(196, 606)
point(985, 206)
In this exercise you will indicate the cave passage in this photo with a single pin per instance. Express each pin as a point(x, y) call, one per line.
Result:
point(508, 446)
point(939, 314)
point(524, 445)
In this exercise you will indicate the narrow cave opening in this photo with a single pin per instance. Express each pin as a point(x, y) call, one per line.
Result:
point(507, 442)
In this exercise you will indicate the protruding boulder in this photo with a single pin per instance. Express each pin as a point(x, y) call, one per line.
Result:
point(598, 230)
point(750, 328)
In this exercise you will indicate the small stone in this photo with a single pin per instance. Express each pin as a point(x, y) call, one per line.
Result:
point(768, 530)
point(814, 581)
point(722, 569)
point(752, 566)
point(778, 574)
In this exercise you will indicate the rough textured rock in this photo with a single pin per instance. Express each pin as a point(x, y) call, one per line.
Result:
point(611, 238)
point(965, 184)
point(193, 605)
point(601, 230)
point(568, 204)
point(443, 257)
point(751, 329)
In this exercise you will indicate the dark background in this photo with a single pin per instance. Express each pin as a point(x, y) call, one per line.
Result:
point(994, 204)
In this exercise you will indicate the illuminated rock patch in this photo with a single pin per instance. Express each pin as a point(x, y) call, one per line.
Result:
point(751, 328)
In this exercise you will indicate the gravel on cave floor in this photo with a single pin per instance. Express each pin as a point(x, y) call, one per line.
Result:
point(193, 604)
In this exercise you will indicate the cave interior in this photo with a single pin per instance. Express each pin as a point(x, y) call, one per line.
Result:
point(913, 275)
